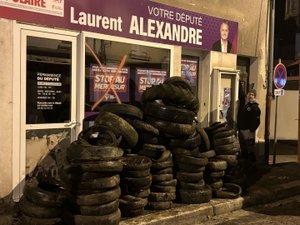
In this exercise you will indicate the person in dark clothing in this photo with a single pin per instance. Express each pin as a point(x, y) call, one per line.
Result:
point(248, 120)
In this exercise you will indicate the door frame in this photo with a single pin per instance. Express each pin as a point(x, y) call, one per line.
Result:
point(21, 31)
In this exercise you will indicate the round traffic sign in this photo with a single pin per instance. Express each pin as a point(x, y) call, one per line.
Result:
point(279, 76)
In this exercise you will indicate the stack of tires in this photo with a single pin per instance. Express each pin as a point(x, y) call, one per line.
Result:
point(214, 172)
point(163, 186)
point(94, 180)
point(190, 165)
point(227, 149)
point(41, 203)
point(136, 180)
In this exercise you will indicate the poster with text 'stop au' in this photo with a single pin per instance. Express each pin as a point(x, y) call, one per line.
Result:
point(146, 78)
point(106, 82)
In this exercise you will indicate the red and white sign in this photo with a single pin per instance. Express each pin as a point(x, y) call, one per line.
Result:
point(53, 7)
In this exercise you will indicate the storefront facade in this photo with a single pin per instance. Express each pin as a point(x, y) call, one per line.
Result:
point(56, 62)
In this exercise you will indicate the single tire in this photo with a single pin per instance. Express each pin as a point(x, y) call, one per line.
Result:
point(136, 162)
point(216, 165)
point(99, 210)
point(160, 205)
point(81, 150)
point(189, 177)
point(173, 129)
point(100, 183)
point(196, 196)
point(133, 203)
point(161, 197)
point(192, 186)
point(143, 126)
point(136, 173)
point(109, 219)
point(229, 191)
point(50, 195)
point(96, 166)
point(169, 113)
point(179, 81)
point(98, 198)
point(122, 110)
point(188, 143)
point(152, 151)
point(28, 220)
point(120, 126)
point(34, 210)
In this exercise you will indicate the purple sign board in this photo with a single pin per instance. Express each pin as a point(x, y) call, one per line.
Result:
point(100, 82)
point(135, 19)
point(146, 77)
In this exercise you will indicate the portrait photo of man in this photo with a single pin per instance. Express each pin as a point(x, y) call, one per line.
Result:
point(223, 44)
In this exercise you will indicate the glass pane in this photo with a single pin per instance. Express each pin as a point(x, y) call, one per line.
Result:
point(144, 66)
point(43, 150)
point(48, 77)
point(226, 95)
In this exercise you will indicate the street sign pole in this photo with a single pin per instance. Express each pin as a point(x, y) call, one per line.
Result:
point(275, 131)
point(279, 78)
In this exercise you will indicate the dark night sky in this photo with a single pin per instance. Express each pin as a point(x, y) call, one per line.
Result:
point(285, 30)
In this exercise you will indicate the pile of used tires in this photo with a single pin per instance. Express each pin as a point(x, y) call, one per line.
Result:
point(135, 159)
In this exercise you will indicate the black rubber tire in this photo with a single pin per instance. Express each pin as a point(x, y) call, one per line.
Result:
point(99, 210)
point(136, 173)
point(81, 150)
point(188, 152)
point(169, 113)
point(161, 188)
point(162, 165)
point(192, 186)
point(137, 162)
point(229, 191)
point(100, 135)
point(217, 185)
point(100, 183)
point(122, 110)
point(187, 143)
point(96, 166)
point(34, 210)
point(109, 219)
point(143, 126)
point(98, 198)
point(205, 139)
point(196, 196)
point(216, 164)
point(173, 129)
point(168, 170)
point(152, 151)
point(141, 193)
point(137, 182)
point(172, 182)
point(185, 167)
point(189, 177)
point(209, 154)
point(161, 197)
point(28, 220)
point(215, 174)
point(166, 155)
point(171, 94)
point(132, 202)
point(224, 140)
point(199, 161)
point(53, 196)
point(161, 178)
point(179, 81)
point(160, 205)
point(120, 126)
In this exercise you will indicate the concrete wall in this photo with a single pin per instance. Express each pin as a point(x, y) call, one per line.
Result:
point(6, 90)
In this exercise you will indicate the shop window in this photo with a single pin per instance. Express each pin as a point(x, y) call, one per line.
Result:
point(120, 72)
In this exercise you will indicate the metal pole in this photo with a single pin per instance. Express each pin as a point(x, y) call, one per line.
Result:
point(275, 133)
point(270, 85)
